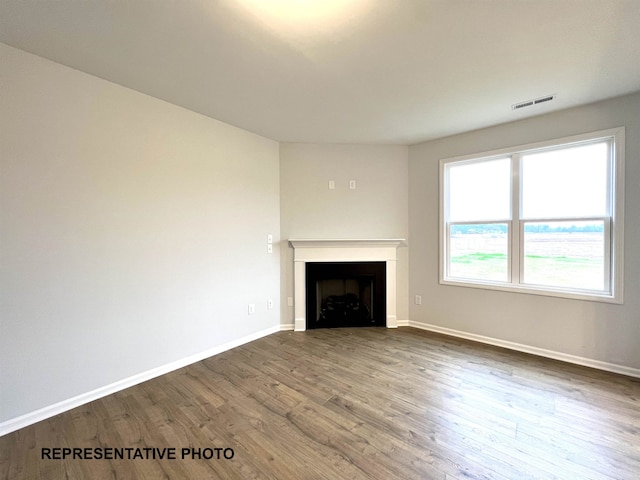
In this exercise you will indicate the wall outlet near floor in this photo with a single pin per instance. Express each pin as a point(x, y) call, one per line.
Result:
point(289, 301)
point(352, 184)
point(252, 308)
point(269, 304)
point(418, 300)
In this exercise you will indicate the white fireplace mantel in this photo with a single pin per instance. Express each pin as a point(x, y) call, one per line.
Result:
point(343, 250)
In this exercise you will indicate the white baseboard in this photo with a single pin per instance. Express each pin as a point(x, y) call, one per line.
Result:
point(30, 418)
point(565, 357)
point(284, 327)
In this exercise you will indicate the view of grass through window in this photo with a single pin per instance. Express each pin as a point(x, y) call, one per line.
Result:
point(479, 251)
point(564, 254)
point(556, 254)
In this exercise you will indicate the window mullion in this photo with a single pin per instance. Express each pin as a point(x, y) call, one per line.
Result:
point(515, 245)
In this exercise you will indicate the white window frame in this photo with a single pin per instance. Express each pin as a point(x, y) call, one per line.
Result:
point(613, 230)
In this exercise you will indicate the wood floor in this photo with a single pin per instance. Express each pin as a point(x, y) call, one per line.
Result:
point(365, 403)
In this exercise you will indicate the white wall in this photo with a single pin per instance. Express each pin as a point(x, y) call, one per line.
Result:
point(377, 208)
point(133, 233)
point(595, 331)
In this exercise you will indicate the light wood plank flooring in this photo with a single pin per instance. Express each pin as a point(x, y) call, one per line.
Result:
point(365, 403)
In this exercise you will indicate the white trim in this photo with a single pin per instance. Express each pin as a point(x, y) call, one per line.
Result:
point(542, 352)
point(516, 237)
point(30, 418)
point(41, 414)
point(530, 147)
point(591, 296)
point(343, 250)
point(617, 252)
point(345, 242)
point(285, 327)
point(614, 256)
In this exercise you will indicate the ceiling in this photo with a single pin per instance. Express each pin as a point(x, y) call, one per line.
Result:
point(346, 71)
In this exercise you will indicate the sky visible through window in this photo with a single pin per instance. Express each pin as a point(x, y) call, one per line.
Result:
point(571, 182)
point(480, 191)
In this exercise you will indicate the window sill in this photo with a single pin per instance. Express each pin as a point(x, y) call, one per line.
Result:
point(531, 290)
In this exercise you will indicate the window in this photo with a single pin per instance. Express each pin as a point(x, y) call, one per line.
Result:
point(544, 218)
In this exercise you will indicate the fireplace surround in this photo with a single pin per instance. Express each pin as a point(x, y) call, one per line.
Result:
point(346, 251)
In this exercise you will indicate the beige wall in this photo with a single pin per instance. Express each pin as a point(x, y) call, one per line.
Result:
point(598, 331)
point(133, 233)
point(377, 208)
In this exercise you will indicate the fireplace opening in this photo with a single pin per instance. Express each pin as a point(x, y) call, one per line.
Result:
point(346, 294)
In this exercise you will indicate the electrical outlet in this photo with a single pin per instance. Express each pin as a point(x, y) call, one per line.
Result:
point(352, 184)
point(269, 304)
point(269, 248)
point(332, 184)
point(418, 299)
point(269, 238)
point(252, 308)
point(289, 301)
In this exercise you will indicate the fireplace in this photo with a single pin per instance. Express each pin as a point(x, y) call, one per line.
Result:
point(342, 286)
point(345, 294)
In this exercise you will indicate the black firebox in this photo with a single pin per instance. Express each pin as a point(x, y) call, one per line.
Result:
point(346, 294)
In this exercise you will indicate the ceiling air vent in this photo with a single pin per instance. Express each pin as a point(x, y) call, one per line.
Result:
point(535, 101)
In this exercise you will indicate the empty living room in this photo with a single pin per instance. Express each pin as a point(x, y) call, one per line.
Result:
point(320, 239)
